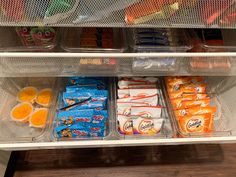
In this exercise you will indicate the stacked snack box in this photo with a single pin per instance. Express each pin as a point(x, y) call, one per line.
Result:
point(138, 107)
point(191, 104)
point(83, 111)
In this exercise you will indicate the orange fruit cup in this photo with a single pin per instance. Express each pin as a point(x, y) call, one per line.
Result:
point(38, 118)
point(27, 94)
point(44, 97)
point(21, 112)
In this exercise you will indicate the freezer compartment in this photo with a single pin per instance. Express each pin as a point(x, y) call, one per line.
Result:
point(142, 124)
point(19, 121)
point(28, 39)
point(84, 109)
point(196, 115)
point(94, 40)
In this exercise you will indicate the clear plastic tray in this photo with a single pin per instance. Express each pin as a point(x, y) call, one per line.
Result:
point(210, 65)
point(221, 118)
point(166, 129)
point(11, 42)
point(179, 42)
point(14, 131)
point(71, 41)
point(108, 128)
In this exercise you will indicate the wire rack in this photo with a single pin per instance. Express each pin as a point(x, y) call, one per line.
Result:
point(119, 13)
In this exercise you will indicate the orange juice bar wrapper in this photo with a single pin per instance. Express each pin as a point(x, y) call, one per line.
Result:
point(124, 108)
point(146, 111)
point(148, 126)
point(196, 110)
point(193, 103)
point(125, 124)
point(201, 123)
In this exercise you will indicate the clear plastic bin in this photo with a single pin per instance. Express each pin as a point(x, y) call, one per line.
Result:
point(166, 129)
point(11, 42)
point(108, 124)
point(18, 131)
point(178, 43)
point(222, 116)
point(72, 36)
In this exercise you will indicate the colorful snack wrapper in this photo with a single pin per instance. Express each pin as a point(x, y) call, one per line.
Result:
point(73, 131)
point(193, 103)
point(146, 111)
point(201, 123)
point(177, 94)
point(96, 131)
point(151, 100)
point(25, 36)
point(125, 124)
point(99, 117)
point(142, 92)
point(77, 88)
point(99, 82)
point(124, 108)
point(198, 96)
point(147, 125)
point(193, 88)
point(123, 93)
point(195, 110)
point(124, 83)
point(98, 105)
point(75, 117)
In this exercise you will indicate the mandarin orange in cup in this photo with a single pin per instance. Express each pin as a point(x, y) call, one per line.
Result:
point(27, 94)
point(44, 97)
point(38, 118)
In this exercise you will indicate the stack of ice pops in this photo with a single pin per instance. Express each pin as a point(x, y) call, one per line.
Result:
point(191, 104)
point(138, 107)
point(83, 112)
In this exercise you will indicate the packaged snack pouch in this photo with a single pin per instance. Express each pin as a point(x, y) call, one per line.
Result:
point(176, 102)
point(124, 108)
point(44, 36)
point(99, 117)
point(198, 96)
point(75, 117)
point(146, 111)
point(148, 126)
point(73, 131)
point(59, 10)
point(98, 105)
point(196, 110)
point(123, 93)
point(151, 100)
point(193, 88)
point(142, 92)
point(200, 123)
point(193, 103)
point(98, 81)
point(176, 94)
point(134, 86)
point(96, 131)
point(77, 88)
point(124, 84)
point(125, 124)
point(25, 36)
point(175, 83)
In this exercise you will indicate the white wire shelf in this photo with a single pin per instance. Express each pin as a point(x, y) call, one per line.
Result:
point(107, 13)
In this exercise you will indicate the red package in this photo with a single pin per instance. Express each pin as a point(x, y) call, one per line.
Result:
point(212, 9)
point(13, 9)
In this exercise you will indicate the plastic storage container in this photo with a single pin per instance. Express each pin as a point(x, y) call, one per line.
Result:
point(108, 123)
point(221, 117)
point(21, 131)
point(166, 128)
point(157, 40)
point(72, 40)
point(28, 39)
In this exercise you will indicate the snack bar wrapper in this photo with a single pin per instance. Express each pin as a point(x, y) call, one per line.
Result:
point(125, 124)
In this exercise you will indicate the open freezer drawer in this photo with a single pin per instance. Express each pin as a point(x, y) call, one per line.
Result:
point(224, 87)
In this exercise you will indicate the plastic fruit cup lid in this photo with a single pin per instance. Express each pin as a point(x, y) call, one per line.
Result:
point(21, 112)
point(44, 97)
point(38, 118)
point(27, 94)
